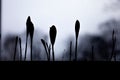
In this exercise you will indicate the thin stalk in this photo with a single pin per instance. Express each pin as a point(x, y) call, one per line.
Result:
point(53, 53)
point(114, 49)
point(46, 48)
point(47, 53)
point(31, 49)
point(113, 54)
point(20, 50)
point(70, 50)
point(15, 48)
point(26, 49)
point(76, 50)
point(49, 49)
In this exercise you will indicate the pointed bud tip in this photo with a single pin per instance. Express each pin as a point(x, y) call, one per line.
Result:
point(42, 40)
point(77, 20)
point(53, 26)
point(29, 18)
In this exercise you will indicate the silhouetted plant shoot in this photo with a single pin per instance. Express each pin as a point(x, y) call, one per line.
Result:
point(53, 33)
point(46, 49)
point(77, 28)
point(30, 31)
point(113, 54)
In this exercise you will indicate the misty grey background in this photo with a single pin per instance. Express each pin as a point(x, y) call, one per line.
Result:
point(61, 13)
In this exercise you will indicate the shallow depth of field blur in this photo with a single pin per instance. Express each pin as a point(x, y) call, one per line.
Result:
point(98, 19)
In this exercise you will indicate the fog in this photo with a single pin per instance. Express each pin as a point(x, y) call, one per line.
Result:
point(61, 13)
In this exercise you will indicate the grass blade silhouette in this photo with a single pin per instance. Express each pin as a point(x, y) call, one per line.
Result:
point(77, 27)
point(20, 49)
point(46, 49)
point(49, 49)
point(26, 48)
point(113, 54)
point(52, 34)
point(115, 59)
point(16, 40)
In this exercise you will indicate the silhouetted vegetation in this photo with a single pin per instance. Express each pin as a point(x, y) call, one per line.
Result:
point(18, 39)
point(15, 48)
point(113, 54)
point(29, 31)
point(53, 33)
point(47, 48)
point(20, 49)
point(97, 45)
point(77, 27)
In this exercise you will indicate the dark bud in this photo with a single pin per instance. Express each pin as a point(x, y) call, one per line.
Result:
point(53, 33)
point(77, 28)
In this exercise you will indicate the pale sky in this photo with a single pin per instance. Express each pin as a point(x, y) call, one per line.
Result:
point(61, 13)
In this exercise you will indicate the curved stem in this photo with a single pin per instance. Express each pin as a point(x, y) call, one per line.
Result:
point(47, 53)
point(47, 50)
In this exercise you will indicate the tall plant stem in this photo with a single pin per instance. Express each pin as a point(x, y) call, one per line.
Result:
point(76, 50)
point(31, 49)
point(53, 55)
point(26, 49)
point(20, 50)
